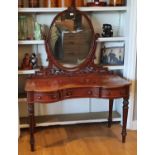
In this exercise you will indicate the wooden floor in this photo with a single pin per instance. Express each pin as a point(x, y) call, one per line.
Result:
point(84, 139)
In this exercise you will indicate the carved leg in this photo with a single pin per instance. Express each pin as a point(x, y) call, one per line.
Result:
point(31, 124)
point(125, 115)
point(110, 112)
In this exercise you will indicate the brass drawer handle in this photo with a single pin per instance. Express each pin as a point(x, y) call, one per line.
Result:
point(69, 93)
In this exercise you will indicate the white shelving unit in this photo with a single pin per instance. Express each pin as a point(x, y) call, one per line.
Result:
point(99, 15)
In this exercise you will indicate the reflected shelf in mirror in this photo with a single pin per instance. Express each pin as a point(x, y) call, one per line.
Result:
point(70, 38)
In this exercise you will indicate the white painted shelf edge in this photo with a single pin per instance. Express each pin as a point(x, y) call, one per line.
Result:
point(115, 67)
point(66, 119)
point(21, 72)
point(111, 39)
point(46, 10)
point(70, 122)
point(30, 42)
point(41, 42)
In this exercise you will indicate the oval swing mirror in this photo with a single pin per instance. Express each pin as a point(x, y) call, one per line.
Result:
point(71, 38)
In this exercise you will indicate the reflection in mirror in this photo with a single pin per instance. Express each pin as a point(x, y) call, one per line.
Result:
point(70, 38)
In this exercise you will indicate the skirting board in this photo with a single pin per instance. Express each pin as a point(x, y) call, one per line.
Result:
point(134, 125)
point(67, 119)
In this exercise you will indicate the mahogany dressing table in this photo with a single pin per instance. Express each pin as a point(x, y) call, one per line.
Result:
point(71, 73)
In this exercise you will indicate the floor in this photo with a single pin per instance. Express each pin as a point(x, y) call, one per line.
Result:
point(83, 139)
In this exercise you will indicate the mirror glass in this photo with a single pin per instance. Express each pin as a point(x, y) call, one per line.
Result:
point(70, 38)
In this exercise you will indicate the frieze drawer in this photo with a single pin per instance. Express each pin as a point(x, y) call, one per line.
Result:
point(78, 92)
point(114, 92)
point(46, 97)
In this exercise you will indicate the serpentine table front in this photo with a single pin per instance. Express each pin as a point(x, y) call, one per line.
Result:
point(92, 85)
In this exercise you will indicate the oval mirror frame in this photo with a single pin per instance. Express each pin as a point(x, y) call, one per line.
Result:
point(91, 54)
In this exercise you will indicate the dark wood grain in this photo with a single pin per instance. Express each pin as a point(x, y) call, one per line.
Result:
point(57, 88)
point(32, 124)
point(54, 83)
point(125, 115)
point(110, 112)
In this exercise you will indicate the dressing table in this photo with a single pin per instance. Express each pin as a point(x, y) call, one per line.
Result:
point(71, 72)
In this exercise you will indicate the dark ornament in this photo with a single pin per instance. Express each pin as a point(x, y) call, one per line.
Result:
point(107, 30)
point(34, 60)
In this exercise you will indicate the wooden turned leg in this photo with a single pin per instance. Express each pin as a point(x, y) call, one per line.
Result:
point(110, 112)
point(31, 124)
point(125, 115)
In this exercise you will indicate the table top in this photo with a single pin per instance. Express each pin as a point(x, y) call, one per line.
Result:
point(64, 82)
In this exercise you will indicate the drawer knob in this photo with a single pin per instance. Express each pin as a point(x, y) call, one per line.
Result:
point(69, 93)
point(54, 96)
point(90, 92)
point(87, 80)
point(39, 97)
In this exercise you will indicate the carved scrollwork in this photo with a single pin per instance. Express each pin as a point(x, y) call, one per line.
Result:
point(125, 104)
point(47, 72)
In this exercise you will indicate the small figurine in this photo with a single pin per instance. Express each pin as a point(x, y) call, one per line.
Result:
point(107, 30)
point(26, 62)
point(34, 60)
